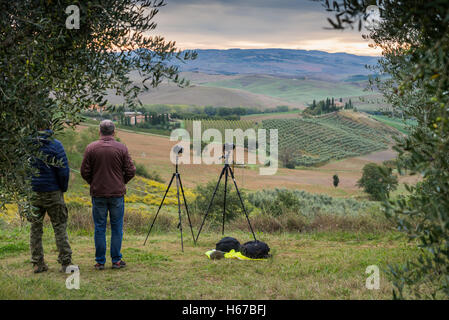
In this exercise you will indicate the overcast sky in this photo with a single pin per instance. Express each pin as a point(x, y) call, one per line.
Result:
point(224, 24)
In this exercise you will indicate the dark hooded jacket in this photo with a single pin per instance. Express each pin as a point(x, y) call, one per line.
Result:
point(51, 178)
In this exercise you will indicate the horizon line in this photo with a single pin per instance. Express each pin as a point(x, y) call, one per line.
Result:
point(277, 48)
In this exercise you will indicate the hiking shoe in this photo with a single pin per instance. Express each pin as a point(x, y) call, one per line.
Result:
point(99, 266)
point(65, 266)
point(40, 267)
point(118, 264)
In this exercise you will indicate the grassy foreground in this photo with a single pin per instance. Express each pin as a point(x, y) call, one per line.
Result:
point(304, 266)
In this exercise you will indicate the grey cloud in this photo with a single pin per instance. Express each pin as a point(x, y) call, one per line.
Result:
point(301, 5)
point(207, 17)
point(256, 23)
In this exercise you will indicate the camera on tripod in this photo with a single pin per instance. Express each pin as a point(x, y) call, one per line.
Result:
point(178, 150)
point(228, 147)
point(226, 172)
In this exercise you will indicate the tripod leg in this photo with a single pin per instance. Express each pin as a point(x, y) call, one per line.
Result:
point(179, 211)
point(160, 206)
point(243, 205)
point(210, 204)
point(187, 208)
point(224, 200)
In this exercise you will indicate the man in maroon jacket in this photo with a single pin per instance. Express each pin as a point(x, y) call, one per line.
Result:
point(107, 167)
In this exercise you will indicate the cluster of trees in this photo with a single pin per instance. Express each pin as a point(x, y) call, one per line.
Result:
point(149, 119)
point(378, 181)
point(325, 106)
point(222, 113)
point(348, 105)
point(226, 111)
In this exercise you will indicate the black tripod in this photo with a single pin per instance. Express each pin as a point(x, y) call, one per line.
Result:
point(227, 170)
point(177, 150)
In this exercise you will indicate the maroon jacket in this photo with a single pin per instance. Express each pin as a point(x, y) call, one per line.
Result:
point(107, 167)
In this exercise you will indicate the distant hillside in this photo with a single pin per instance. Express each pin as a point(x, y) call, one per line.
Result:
point(297, 91)
point(280, 62)
point(208, 96)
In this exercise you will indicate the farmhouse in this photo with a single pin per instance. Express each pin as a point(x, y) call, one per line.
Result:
point(96, 107)
point(135, 117)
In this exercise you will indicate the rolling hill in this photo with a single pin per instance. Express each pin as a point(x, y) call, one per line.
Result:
point(263, 78)
point(339, 135)
point(214, 96)
point(299, 91)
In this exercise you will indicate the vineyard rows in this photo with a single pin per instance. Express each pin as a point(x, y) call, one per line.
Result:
point(333, 137)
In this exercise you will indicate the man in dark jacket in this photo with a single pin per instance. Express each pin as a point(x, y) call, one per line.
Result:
point(49, 186)
point(107, 167)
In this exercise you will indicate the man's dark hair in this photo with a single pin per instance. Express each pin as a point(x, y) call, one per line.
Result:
point(107, 127)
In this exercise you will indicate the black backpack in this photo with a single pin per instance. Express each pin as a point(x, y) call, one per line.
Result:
point(255, 250)
point(227, 244)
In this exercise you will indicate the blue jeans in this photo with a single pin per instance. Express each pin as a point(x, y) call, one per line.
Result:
point(100, 208)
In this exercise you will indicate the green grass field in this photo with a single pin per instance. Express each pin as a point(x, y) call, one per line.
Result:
point(293, 90)
point(303, 266)
point(397, 123)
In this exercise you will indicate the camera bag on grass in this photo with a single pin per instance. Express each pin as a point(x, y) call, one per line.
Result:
point(255, 250)
point(227, 244)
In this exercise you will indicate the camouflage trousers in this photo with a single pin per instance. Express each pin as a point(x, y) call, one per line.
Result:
point(53, 204)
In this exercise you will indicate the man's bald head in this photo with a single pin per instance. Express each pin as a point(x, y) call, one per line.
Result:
point(107, 128)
